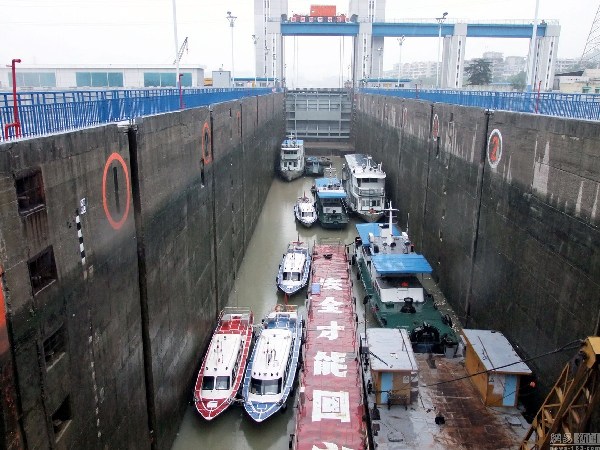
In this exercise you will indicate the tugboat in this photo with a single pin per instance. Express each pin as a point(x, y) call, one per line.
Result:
point(330, 197)
point(272, 367)
point(291, 160)
point(305, 211)
point(294, 268)
point(222, 371)
point(364, 183)
point(389, 267)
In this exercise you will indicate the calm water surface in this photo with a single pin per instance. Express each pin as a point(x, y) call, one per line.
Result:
point(255, 287)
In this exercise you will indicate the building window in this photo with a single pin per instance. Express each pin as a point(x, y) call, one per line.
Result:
point(34, 79)
point(166, 79)
point(30, 192)
point(99, 79)
point(61, 419)
point(42, 270)
point(54, 346)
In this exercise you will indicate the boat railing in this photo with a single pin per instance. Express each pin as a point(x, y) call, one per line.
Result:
point(370, 192)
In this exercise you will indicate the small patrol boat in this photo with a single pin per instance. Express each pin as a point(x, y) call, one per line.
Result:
point(294, 268)
point(222, 371)
point(272, 368)
point(330, 198)
point(305, 211)
point(291, 158)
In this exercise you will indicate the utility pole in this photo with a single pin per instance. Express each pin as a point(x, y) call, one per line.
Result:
point(231, 20)
point(400, 41)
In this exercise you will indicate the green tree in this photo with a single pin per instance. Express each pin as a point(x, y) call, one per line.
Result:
point(479, 72)
point(518, 81)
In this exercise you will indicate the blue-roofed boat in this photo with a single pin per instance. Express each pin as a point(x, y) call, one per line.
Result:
point(364, 183)
point(389, 269)
point(272, 368)
point(291, 158)
point(330, 196)
point(294, 268)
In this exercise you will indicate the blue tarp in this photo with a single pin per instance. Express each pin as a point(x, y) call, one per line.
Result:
point(331, 194)
point(365, 228)
point(400, 263)
point(324, 182)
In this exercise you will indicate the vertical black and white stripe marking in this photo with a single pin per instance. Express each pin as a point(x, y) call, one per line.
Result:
point(80, 236)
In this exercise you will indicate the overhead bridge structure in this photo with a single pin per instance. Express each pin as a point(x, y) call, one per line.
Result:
point(368, 27)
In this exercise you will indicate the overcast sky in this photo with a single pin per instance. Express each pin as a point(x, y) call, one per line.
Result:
point(141, 32)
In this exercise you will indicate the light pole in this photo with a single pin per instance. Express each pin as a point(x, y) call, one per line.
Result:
point(231, 20)
point(380, 50)
point(400, 41)
point(531, 62)
point(266, 65)
point(440, 21)
point(176, 43)
point(255, 40)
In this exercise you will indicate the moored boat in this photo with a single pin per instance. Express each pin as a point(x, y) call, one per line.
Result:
point(291, 159)
point(316, 165)
point(222, 371)
point(294, 268)
point(364, 183)
point(389, 270)
point(305, 211)
point(272, 367)
point(330, 197)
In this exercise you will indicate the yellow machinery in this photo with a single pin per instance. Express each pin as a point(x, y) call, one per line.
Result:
point(570, 403)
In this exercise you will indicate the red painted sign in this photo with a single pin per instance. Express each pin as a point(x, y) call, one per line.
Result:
point(494, 148)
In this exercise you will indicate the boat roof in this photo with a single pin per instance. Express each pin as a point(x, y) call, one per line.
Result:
point(360, 165)
point(494, 350)
point(365, 228)
point(393, 350)
point(306, 205)
point(329, 188)
point(330, 396)
point(272, 352)
point(290, 143)
point(400, 263)
point(294, 261)
point(222, 354)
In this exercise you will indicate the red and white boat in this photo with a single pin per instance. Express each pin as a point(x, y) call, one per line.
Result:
point(222, 370)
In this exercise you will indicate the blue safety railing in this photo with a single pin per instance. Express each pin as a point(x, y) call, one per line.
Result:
point(575, 106)
point(43, 112)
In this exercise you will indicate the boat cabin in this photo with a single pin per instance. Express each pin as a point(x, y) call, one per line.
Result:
point(486, 350)
point(271, 363)
point(221, 365)
point(394, 370)
point(292, 154)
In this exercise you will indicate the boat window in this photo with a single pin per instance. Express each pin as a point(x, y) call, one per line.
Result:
point(208, 383)
point(265, 387)
point(222, 383)
point(296, 276)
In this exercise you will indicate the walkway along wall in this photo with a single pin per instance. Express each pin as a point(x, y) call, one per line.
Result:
point(505, 206)
point(118, 247)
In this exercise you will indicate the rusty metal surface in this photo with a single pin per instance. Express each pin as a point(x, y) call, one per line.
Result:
point(468, 423)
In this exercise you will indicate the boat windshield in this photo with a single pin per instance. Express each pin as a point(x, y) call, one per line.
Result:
point(265, 387)
point(222, 383)
point(291, 276)
point(208, 383)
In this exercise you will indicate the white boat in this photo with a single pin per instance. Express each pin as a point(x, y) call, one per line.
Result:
point(272, 367)
point(364, 183)
point(294, 268)
point(222, 371)
point(291, 158)
point(305, 211)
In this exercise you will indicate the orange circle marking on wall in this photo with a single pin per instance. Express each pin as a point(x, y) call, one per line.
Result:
point(113, 223)
point(206, 130)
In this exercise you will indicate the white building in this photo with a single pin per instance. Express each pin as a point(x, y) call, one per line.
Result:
point(35, 77)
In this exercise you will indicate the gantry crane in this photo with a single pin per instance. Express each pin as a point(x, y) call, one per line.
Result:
point(570, 403)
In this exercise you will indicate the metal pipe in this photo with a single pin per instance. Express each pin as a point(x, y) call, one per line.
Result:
point(16, 124)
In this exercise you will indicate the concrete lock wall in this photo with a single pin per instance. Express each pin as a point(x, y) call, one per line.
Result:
point(106, 352)
point(505, 208)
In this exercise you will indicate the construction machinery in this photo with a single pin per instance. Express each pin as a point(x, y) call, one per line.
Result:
point(570, 403)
